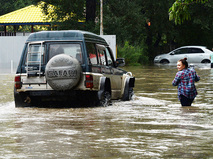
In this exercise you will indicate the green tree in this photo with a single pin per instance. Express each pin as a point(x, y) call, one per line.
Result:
point(195, 22)
point(127, 23)
point(12, 5)
point(128, 20)
point(160, 34)
point(70, 12)
point(180, 10)
point(142, 27)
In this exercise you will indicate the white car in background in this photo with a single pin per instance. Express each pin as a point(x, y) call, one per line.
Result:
point(194, 54)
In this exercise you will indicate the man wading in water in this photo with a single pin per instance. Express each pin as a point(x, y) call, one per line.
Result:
point(185, 80)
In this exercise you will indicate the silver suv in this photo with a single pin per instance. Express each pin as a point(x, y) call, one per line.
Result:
point(194, 54)
point(65, 68)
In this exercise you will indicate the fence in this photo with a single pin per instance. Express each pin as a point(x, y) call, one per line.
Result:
point(2, 33)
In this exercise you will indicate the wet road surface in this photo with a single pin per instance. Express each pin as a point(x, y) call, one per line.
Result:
point(152, 125)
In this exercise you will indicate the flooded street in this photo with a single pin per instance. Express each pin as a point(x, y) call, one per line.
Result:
point(152, 125)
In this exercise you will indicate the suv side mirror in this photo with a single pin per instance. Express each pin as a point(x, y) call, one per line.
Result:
point(120, 62)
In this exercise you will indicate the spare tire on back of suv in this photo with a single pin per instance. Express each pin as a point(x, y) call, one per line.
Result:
point(63, 72)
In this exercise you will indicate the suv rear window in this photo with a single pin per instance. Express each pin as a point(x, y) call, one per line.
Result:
point(73, 50)
point(35, 54)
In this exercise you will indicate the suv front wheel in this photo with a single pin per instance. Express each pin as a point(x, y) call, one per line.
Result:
point(128, 89)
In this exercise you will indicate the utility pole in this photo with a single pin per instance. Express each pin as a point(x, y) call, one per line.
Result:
point(101, 17)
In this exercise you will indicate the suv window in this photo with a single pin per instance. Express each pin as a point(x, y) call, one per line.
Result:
point(109, 58)
point(34, 54)
point(101, 55)
point(104, 56)
point(91, 51)
point(73, 50)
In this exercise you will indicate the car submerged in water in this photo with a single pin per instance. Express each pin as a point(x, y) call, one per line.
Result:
point(64, 68)
point(194, 54)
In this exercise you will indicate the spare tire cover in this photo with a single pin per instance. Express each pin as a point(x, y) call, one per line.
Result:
point(63, 72)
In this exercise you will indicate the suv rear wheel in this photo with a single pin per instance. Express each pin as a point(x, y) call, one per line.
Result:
point(106, 99)
point(104, 94)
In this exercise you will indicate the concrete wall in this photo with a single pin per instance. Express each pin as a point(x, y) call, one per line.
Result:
point(111, 40)
point(10, 52)
point(11, 49)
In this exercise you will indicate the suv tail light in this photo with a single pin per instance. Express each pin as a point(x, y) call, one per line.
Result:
point(17, 82)
point(89, 81)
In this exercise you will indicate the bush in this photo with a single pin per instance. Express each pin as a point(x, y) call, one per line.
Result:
point(134, 55)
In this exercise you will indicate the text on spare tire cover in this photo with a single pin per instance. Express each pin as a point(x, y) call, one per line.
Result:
point(62, 73)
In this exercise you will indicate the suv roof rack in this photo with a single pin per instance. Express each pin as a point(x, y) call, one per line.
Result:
point(65, 35)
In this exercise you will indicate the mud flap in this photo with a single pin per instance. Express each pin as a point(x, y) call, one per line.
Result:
point(102, 88)
point(21, 100)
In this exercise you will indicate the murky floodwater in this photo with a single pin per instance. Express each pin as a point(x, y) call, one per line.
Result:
point(153, 125)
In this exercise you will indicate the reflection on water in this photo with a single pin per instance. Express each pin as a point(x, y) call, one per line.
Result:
point(6, 88)
point(153, 125)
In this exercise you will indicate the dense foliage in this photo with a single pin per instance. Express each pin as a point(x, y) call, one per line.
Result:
point(194, 22)
point(12, 5)
point(143, 28)
point(180, 10)
point(134, 55)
